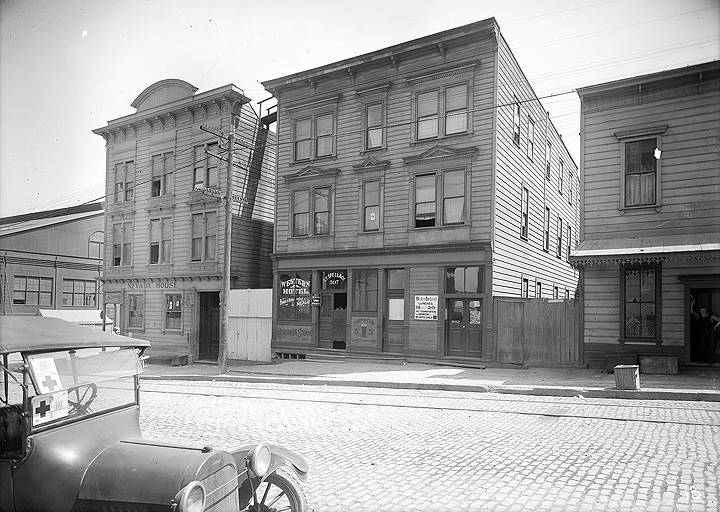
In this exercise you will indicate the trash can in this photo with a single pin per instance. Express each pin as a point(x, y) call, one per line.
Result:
point(627, 376)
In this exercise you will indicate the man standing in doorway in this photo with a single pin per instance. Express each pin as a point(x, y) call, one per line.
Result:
point(708, 326)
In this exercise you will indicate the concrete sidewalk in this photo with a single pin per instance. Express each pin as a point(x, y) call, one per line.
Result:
point(700, 383)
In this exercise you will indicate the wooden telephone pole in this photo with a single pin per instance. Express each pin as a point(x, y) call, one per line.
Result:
point(227, 258)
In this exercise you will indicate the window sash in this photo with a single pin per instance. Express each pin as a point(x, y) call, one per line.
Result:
point(173, 312)
point(454, 197)
point(371, 206)
point(425, 197)
point(203, 245)
point(427, 115)
point(456, 109)
point(32, 291)
point(516, 120)
point(365, 290)
point(136, 311)
point(212, 176)
point(546, 241)
point(548, 157)
point(531, 138)
point(524, 209)
point(640, 304)
point(559, 237)
point(294, 296)
point(373, 128)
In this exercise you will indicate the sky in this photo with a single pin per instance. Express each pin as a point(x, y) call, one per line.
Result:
point(67, 67)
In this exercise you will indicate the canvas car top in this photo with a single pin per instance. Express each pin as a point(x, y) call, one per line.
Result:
point(20, 333)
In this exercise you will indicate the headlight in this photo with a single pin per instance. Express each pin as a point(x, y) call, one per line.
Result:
point(191, 498)
point(260, 460)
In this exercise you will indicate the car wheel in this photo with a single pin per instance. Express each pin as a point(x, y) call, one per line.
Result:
point(281, 491)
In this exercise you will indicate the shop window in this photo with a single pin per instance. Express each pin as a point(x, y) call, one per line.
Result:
point(365, 290)
point(124, 181)
point(161, 240)
point(204, 236)
point(464, 280)
point(206, 172)
point(524, 212)
point(371, 205)
point(294, 296)
point(163, 167)
point(32, 291)
point(136, 311)
point(79, 292)
point(173, 312)
point(640, 303)
point(122, 244)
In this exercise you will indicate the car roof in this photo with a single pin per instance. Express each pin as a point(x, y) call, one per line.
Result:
point(23, 333)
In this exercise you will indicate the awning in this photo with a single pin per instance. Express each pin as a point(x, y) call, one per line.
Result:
point(689, 247)
point(87, 317)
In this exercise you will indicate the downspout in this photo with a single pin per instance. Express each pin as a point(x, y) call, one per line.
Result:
point(581, 233)
point(493, 174)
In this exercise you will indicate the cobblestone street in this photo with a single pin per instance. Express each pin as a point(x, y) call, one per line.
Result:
point(404, 450)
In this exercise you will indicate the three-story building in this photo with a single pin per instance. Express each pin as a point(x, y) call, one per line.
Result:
point(416, 185)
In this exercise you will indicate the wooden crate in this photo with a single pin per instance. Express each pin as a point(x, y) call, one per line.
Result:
point(627, 376)
point(659, 365)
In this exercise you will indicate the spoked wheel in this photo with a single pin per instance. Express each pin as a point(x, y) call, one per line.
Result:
point(280, 492)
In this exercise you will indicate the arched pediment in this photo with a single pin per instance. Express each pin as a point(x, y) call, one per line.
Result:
point(163, 92)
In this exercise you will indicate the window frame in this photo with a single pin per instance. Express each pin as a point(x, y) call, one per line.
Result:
point(166, 235)
point(524, 287)
point(559, 247)
point(531, 138)
point(124, 191)
point(38, 293)
point(524, 212)
point(124, 247)
point(561, 176)
point(139, 299)
point(569, 240)
point(202, 167)
point(361, 296)
point(546, 230)
point(162, 176)
point(439, 197)
point(548, 160)
point(657, 269)
point(365, 205)
point(464, 292)
point(571, 177)
point(367, 128)
point(84, 293)
point(173, 311)
point(517, 114)
point(204, 236)
point(313, 138)
point(442, 112)
point(311, 213)
point(637, 136)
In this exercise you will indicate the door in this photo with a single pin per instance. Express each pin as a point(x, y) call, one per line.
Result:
point(704, 341)
point(464, 327)
point(333, 320)
point(209, 326)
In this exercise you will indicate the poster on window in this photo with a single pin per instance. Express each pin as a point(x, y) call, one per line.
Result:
point(426, 307)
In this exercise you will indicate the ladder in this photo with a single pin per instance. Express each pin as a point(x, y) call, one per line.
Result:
point(6, 292)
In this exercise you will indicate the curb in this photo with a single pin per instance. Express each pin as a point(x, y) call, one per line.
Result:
point(649, 394)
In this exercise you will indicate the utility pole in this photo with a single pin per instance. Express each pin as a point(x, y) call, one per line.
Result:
point(227, 257)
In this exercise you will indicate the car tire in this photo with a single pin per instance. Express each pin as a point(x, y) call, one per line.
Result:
point(293, 494)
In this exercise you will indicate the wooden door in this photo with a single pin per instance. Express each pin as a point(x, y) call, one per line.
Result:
point(209, 326)
point(464, 327)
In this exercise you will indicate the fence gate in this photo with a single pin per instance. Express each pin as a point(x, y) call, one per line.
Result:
point(537, 332)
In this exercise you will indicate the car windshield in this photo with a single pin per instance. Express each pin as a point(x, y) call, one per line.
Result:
point(74, 383)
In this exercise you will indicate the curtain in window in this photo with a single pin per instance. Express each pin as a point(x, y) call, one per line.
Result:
point(640, 172)
point(425, 201)
point(324, 135)
point(640, 321)
point(454, 197)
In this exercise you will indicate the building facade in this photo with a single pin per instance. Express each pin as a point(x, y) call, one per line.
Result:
point(650, 239)
point(416, 185)
point(165, 219)
point(52, 260)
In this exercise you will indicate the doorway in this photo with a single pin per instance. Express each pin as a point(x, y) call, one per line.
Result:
point(464, 326)
point(703, 344)
point(333, 320)
point(209, 326)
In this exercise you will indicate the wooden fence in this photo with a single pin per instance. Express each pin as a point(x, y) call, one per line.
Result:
point(250, 325)
point(538, 332)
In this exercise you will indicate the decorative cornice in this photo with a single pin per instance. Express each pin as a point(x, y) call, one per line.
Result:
point(373, 89)
point(371, 164)
point(315, 103)
point(623, 259)
point(456, 69)
point(637, 132)
point(312, 173)
point(441, 154)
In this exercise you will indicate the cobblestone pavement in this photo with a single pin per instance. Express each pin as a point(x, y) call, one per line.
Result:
point(403, 450)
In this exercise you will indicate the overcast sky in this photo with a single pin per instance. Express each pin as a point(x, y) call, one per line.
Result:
point(69, 66)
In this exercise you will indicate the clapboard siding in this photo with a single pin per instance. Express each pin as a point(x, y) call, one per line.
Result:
point(517, 258)
point(424, 335)
point(690, 183)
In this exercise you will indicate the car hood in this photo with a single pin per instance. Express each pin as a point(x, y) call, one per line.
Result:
point(147, 472)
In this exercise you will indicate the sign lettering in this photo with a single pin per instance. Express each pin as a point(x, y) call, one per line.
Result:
point(426, 307)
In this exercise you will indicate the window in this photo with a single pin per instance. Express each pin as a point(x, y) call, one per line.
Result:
point(442, 111)
point(464, 280)
point(524, 287)
point(558, 251)
point(396, 294)
point(524, 200)
point(640, 171)
point(96, 244)
point(205, 171)
point(561, 176)
point(314, 137)
point(567, 294)
point(371, 206)
point(204, 236)
point(32, 291)
point(516, 120)
point(538, 289)
point(639, 304)
point(79, 292)
point(173, 312)
point(548, 156)
point(546, 229)
point(570, 186)
point(374, 125)
point(294, 296)
point(365, 290)
point(161, 240)
point(124, 181)
point(163, 166)
point(122, 244)
point(452, 198)
point(301, 213)
point(556, 292)
point(136, 311)
point(531, 138)
point(569, 240)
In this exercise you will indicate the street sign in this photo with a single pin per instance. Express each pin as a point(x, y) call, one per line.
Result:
point(216, 192)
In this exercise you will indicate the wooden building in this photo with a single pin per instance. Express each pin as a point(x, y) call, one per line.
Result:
point(51, 260)
point(650, 238)
point(416, 185)
point(165, 218)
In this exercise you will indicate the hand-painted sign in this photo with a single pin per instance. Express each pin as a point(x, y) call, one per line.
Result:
point(46, 374)
point(426, 307)
point(49, 407)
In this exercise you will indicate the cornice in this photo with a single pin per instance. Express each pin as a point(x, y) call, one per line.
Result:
point(441, 154)
point(371, 164)
point(457, 68)
point(310, 173)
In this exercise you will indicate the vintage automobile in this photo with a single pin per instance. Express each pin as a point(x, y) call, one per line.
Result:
point(70, 435)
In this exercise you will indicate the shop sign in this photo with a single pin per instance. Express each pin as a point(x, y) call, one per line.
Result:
point(295, 286)
point(113, 298)
point(364, 330)
point(426, 307)
point(315, 300)
point(334, 280)
point(162, 283)
point(295, 333)
point(217, 192)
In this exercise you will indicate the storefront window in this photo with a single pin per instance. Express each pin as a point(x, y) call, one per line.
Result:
point(365, 290)
point(173, 312)
point(334, 280)
point(464, 280)
point(294, 297)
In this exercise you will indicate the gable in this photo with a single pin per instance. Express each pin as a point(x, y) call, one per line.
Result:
point(163, 92)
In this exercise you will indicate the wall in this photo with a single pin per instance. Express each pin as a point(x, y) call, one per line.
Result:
point(250, 325)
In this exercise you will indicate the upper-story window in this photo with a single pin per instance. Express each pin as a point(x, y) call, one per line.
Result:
point(374, 126)
point(571, 178)
point(79, 292)
point(558, 249)
point(122, 238)
point(640, 171)
point(371, 205)
point(546, 230)
point(442, 111)
point(569, 240)
point(548, 156)
point(314, 137)
point(446, 188)
point(561, 176)
point(161, 240)
point(312, 204)
point(124, 181)
point(531, 138)
point(206, 166)
point(35, 291)
point(163, 167)
point(204, 236)
point(524, 212)
point(516, 120)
